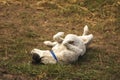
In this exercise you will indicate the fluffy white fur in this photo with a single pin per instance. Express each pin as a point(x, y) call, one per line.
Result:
point(67, 50)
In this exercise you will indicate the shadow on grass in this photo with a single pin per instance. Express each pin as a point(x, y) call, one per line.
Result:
point(88, 56)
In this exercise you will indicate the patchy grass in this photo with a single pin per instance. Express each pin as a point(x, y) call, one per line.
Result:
point(24, 25)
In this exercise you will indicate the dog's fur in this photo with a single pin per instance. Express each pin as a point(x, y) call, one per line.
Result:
point(67, 50)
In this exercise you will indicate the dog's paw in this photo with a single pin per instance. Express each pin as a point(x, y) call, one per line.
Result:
point(47, 42)
point(59, 34)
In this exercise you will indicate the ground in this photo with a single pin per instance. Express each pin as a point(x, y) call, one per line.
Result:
point(25, 24)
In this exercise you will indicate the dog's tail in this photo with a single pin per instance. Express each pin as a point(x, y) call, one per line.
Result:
point(85, 30)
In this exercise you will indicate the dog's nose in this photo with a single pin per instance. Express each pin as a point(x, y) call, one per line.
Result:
point(36, 58)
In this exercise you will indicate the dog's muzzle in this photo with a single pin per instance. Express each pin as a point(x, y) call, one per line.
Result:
point(36, 58)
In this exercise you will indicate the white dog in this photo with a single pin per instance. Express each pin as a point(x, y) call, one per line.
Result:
point(64, 50)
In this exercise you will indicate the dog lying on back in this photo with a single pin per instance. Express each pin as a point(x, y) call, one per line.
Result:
point(64, 50)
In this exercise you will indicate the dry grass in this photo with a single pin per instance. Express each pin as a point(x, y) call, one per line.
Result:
point(24, 25)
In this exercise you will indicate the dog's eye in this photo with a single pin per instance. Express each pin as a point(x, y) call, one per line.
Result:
point(71, 42)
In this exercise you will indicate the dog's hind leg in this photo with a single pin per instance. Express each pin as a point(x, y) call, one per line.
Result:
point(86, 39)
point(85, 30)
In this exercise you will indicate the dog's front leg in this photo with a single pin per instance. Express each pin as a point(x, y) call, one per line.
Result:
point(58, 37)
point(49, 43)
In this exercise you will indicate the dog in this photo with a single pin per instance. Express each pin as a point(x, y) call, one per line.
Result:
point(64, 50)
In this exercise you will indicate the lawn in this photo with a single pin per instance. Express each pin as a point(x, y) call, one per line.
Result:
point(25, 24)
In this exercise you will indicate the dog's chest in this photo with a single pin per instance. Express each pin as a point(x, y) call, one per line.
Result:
point(58, 48)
